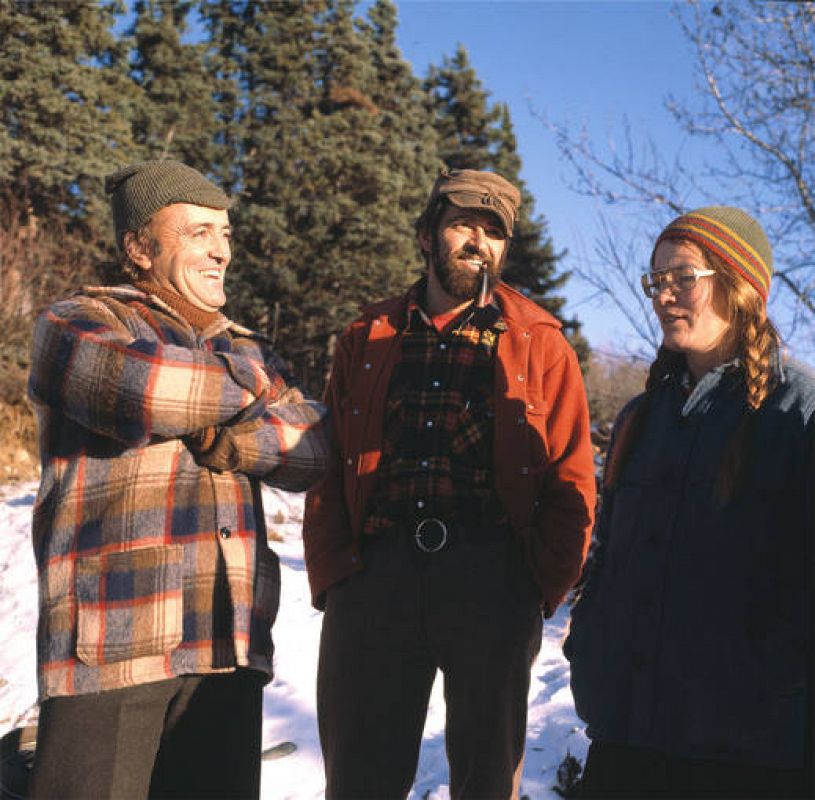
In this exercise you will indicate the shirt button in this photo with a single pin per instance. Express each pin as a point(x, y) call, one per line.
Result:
point(520, 377)
point(526, 334)
point(521, 420)
point(430, 423)
point(355, 412)
point(367, 365)
point(420, 504)
point(349, 461)
point(524, 470)
point(436, 384)
point(225, 532)
point(442, 346)
point(425, 463)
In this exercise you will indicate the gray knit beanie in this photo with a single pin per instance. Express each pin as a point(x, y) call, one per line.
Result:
point(137, 191)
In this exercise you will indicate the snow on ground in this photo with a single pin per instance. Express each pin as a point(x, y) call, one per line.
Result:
point(289, 704)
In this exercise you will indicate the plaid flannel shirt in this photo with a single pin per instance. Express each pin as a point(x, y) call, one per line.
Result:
point(437, 440)
point(151, 562)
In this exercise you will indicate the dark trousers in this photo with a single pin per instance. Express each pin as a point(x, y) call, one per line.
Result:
point(616, 771)
point(470, 610)
point(194, 736)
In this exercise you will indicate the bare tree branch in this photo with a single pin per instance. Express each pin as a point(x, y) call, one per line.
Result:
point(755, 65)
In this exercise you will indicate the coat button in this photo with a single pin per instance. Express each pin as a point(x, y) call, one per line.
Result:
point(225, 532)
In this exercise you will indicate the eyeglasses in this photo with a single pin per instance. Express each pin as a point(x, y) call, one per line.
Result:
point(677, 279)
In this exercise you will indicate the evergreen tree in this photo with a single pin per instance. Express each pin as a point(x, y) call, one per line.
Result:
point(465, 123)
point(64, 107)
point(334, 163)
point(532, 261)
point(176, 115)
point(475, 135)
point(405, 117)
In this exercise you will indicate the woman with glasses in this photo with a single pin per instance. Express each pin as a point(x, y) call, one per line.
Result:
point(691, 645)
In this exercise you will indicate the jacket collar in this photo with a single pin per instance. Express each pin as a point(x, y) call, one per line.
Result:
point(126, 293)
point(516, 310)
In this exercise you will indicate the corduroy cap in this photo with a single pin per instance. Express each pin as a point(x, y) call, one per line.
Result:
point(137, 191)
point(733, 235)
point(486, 191)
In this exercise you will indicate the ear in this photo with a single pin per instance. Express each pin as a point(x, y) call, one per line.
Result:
point(139, 253)
point(423, 238)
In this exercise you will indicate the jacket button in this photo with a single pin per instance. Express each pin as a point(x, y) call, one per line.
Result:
point(524, 470)
point(367, 365)
point(225, 532)
point(355, 412)
point(349, 461)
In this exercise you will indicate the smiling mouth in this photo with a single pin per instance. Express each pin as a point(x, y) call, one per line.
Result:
point(475, 264)
point(212, 274)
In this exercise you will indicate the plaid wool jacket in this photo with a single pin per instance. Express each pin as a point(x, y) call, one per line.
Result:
point(152, 555)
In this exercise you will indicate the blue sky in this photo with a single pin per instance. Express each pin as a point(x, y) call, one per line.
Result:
point(579, 61)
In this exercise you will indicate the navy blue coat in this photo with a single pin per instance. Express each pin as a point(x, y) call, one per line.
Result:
point(693, 629)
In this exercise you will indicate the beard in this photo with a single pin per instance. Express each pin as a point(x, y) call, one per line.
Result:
point(457, 278)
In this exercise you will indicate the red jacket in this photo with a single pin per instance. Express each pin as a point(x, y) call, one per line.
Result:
point(543, 465)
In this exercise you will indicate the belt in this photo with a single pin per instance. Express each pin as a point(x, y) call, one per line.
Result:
point(432, 534)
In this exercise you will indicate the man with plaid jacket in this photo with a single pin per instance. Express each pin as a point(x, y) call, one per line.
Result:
point(159, 419)
point(456, 508)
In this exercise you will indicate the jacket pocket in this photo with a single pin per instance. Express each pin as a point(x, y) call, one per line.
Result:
point(129, 605)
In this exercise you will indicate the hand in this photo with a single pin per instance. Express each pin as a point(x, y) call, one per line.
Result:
point(223, 454)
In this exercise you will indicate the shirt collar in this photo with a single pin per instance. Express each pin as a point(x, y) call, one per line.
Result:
point(489, 316)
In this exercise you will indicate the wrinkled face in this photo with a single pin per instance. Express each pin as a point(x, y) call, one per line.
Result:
point(694, 321)
point(189, 254)
point(466, 240)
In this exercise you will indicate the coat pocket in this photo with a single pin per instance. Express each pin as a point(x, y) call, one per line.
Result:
point(129, 604)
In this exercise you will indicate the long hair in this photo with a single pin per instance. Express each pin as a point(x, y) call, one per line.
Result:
point(755, 340)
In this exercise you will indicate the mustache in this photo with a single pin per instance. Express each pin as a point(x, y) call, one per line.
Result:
point(470, 251)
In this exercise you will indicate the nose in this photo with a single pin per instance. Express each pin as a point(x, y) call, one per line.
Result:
point(478, 236)
point(661, 290)
point(220, 249)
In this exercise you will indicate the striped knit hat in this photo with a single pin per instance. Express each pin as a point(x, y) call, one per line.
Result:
point(731, 234)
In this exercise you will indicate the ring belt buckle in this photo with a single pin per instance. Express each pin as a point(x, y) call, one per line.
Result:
point(430, 535)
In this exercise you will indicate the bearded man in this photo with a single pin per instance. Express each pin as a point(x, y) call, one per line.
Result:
point(456, 509)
